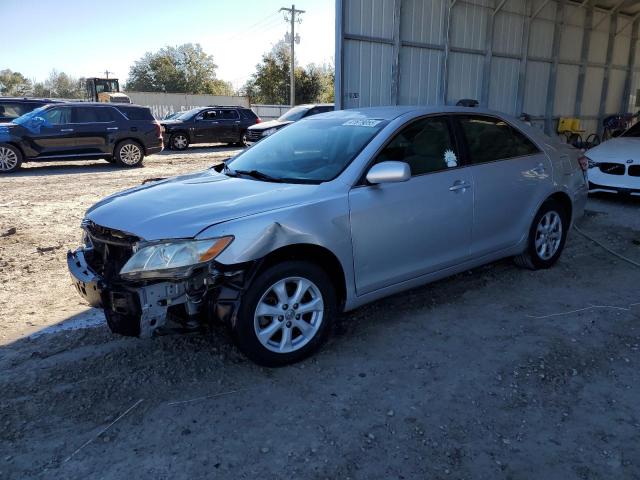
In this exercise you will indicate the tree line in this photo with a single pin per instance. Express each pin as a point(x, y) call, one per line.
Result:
point(189, 69)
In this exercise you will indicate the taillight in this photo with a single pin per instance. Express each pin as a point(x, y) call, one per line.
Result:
point(158, 129)
point(258, 120)
point(584, 163)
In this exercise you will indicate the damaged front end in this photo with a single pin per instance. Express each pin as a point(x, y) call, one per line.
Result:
point(150, 288)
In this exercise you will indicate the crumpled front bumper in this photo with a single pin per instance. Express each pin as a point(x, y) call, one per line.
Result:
point(132, 310)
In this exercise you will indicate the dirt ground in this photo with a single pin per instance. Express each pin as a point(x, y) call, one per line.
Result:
point(481, 376)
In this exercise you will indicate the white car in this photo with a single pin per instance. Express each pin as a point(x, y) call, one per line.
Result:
point(614, 166)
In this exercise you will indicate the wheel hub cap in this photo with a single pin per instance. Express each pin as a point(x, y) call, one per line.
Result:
point(8, 159)
point(130, 154)
point(548, 235)
point(289, 315)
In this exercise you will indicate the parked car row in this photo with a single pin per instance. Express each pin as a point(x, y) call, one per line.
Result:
point(44, 129)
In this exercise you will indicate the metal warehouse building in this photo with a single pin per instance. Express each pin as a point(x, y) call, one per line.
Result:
point(548, 58)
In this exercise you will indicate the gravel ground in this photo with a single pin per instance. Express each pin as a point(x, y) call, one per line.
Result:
point(467, 378)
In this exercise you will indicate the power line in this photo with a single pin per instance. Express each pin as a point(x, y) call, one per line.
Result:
point(251, 27)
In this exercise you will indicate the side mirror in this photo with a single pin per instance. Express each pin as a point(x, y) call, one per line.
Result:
point(389, 172)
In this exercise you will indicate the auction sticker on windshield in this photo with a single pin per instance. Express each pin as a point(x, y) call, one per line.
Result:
point(363, 123)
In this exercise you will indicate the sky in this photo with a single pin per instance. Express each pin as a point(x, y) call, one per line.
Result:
point(85, 38)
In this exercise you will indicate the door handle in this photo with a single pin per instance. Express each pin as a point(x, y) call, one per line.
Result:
point(237, 122)
point(459, 185)
point(112, 128)
point(66, 129)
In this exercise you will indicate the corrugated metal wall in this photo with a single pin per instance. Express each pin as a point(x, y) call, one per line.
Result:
point(505, 53)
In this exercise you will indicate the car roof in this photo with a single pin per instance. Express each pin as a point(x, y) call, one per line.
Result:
point(100, 104)
point(392, 112)
point(29, 99)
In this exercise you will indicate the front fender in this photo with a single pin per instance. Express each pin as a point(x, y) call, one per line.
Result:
point(324, 223)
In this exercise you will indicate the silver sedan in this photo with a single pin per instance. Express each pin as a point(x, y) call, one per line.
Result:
point(331, 213)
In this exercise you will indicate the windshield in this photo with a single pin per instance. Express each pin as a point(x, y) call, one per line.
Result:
point(293, 115)
point(311, 151)
point(185, 115)
point(633, 131)
point(28, 116)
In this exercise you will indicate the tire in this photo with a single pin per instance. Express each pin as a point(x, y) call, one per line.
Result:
point(545, 247)
point(179, 141)
point(316, 310)
point(129, 154)
point(10, 158)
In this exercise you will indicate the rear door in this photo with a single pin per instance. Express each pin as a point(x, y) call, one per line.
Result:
point(55, 136)
point(401, 231)
point(93, 128)
point(229, 125)
point(511, 176)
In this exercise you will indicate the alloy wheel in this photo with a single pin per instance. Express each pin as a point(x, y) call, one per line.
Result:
point(288, 315)
point(180, 142)
point(130, 154)
point(8, 159)
point(548, 235)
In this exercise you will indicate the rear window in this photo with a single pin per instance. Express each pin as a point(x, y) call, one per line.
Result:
point(16, 109)
point(633, 131)
point(136, 113)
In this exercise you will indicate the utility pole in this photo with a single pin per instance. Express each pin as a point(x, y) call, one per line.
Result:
point(293, 40)
point(106, 73)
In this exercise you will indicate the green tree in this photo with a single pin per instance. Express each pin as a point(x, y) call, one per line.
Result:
point(183, 69)
point(60, 85)
point(270, 82)
point(14, 83)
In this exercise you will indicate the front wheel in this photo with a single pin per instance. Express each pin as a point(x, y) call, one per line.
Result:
point(179, 141)
point(547, 237)
point(286, 313)
point(129, 154)
point(10, 158)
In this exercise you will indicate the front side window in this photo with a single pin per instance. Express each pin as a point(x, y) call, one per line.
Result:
point(425, 145)
point(210, 115)
point(294, 114)
point(57, 116)
point(311, 151)
point(490, 139)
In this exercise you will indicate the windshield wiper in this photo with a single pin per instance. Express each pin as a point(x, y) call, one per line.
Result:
point(255, 174)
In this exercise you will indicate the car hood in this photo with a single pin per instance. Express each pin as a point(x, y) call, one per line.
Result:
point(620, 150)
point(270, 124)
point(181, 207)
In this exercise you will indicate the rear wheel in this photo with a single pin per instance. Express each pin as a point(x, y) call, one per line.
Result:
point(129, 154)
point(547, 237)
point(179, 141)
point(10, 158)
point(286, 313)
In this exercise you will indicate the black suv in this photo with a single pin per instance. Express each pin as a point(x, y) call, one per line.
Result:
point(257, 132)
point(213, 124)
point(122, 134)
point(12, 108)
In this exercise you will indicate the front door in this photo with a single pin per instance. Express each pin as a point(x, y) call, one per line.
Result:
point(207, 127)
point(401, 231)
point(54, 135)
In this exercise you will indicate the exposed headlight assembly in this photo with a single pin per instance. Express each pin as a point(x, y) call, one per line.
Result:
point(173, 258)
point(269, 131)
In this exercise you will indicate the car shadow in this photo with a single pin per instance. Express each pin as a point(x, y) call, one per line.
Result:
point(36, 169)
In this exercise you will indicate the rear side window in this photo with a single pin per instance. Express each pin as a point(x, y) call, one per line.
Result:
point(15, 110)
point(91, 115)
point(490, 139)
point(425, 145)
point(229, 115)
point(248, 114)
point(137, 113)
